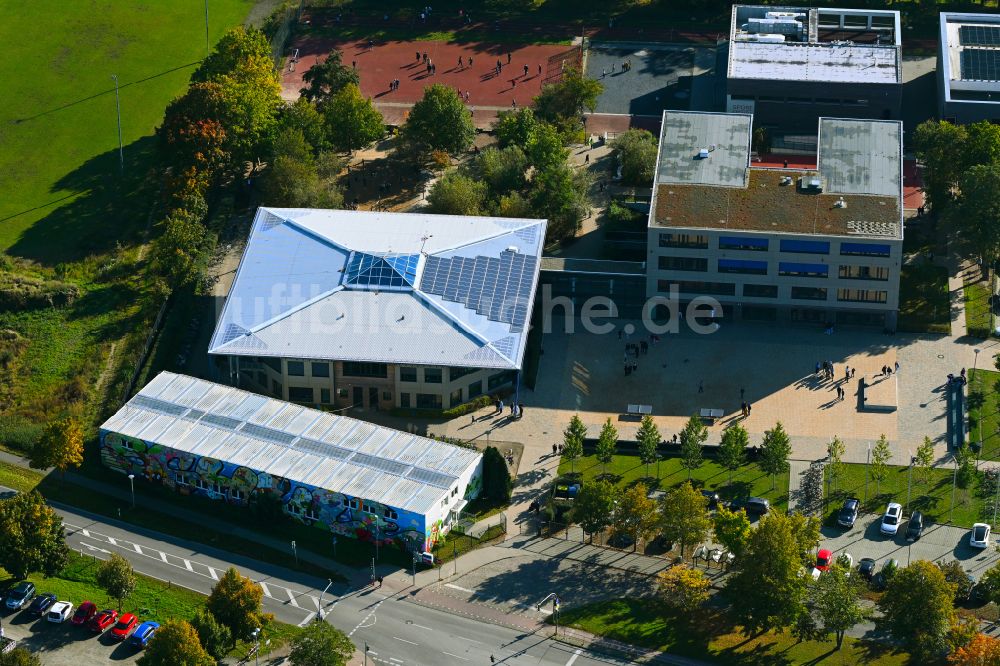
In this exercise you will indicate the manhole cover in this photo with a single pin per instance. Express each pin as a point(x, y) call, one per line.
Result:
point(940, 355)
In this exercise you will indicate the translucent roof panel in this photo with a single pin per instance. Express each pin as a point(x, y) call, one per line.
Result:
point(374, 271)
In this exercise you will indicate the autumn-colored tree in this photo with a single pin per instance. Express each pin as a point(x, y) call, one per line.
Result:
point(320, 644)
point(918, 611)
point(684, 516)
point(32, 537)
point(683, 588)
point(635, 515)
point(60, 446)
point(594, 506)
point(236, 47)
point(732, 529)
point(192, 135)
point(175, 643)
point(982, 650)
point(235, 602)
point(352, 121)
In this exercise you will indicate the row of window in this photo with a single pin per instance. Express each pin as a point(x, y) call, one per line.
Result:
point(322, 368)
point(771, 291)
point(435, 401)
point(791, 245)
point(433, 375)
point(833, 101)
point(750, 267)
point(213, 487)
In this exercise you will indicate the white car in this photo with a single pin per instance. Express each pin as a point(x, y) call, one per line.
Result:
point(980, 536)
point(59, 611)
point(893, 516)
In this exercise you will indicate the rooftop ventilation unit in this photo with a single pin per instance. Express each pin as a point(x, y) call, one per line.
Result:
point(840, 203)
point(703, 154)
point(811, 184)
point(786, 180)
point(513, 248)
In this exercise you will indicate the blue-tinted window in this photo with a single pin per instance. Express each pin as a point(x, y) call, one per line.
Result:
point(805, 246)
point(745, 266)
point(296, 368)
point(742, 243)
point(790, 268)
point(320, 369)
point(385, 271)
point(865, 249)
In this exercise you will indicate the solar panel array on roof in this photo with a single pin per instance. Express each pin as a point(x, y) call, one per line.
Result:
point(979, 35)
point(980, 65)
point(497, 288)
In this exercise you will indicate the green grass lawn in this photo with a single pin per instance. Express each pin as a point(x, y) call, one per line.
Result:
point(924, 306)
point(978, 320)
point(708, 635)
point(625, 470)
point(984, 411)
point(932, 498)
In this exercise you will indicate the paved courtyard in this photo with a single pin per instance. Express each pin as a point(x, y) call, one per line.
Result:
point(660, 77)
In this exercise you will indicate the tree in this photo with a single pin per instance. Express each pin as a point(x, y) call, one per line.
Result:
point(648, 440)
point(965, 459)
point(439, 121)
point(836, 598)
point(774, 452)
point(175, 643)
point(835, 459)
point(327, 78)
point(761, 140)
point(514, 205)
point(635, 515)
point(607, 441)
point(733, 448)
point(693, 437)
point(352, 121)
point(497, 483)
point(594, 507)
point(20, 657)
point(767, 590)
point(192, 135)
point(214, 637)
point(179, 249)
point(321, 644)
point(303, 115)
point(983, 650)
point(636, 152)
point(293, 183)
point(684, 516)
point(31, 536)
point(560, 195)
point(60, 446)
point(978, 207)
point(683, 588)
point(457, 194)
point(805, 532)
point(917, 609)
point(990, 583)
point(235, 602)
point(811, 490)
point(563, 103)
point(236, 47)
point(881, 453)
point(116, 577)
point(732, 529)
point(923, 461)
point(545, 148)
point(502, 170)
point(250, 102)
point(940, 146)
point(515, 128)
point(573, 437)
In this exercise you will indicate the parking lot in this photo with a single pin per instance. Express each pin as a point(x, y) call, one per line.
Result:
point(939, 543)
point(66, 644)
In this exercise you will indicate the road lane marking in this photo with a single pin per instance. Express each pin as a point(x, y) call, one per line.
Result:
point(471, 640)
point(421, 626)
point(137, 548)
point(187, 565)
point(573, 658)
point(94, 548)
point(456, 656)
point(457, 587)
point(267, 592)
point(362, 625)
point(85, 533)
point(398, 661)
point(110, 540)
point(215, 575)
point(405, 641)
point(163, 556)
point(291, 598)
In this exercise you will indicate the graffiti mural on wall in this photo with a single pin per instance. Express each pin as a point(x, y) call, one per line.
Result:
point(215, 479)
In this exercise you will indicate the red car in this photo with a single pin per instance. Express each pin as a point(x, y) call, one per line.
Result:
point(824, 559)
point(84, 613)
point(125, 626)
point(103, 620)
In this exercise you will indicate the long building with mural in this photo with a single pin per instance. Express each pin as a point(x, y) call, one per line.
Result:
point(350, 477)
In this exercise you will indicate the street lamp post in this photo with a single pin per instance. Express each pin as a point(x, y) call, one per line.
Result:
point(328, 584)
point(118, 110)
point(256, 646)
point(295, 553)
point(131, 483)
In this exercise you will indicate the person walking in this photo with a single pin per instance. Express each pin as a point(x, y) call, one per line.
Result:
point(539, 70)
point(701, 387)
point(508, 57)
point(470, 62)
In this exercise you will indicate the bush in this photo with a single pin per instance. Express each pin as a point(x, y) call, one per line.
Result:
point(622, 215)
point(19, 433)
point(497, 484)
point(473, 405)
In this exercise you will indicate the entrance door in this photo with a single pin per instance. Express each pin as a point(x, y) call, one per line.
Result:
point(357, 397)
point(372, 397)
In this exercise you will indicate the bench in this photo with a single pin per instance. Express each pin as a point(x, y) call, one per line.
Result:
point(641, 410)
point(710, 415)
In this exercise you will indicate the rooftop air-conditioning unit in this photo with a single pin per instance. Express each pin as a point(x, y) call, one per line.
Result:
point(703, 154)
point(786, 180)
point(513, 248)
point(815, 184)
point(840, 203)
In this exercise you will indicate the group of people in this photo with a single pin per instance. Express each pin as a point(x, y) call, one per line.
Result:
point(626, 66)
point(394, 84)
point(825, 367)
point(516, 409)
point(745, 408)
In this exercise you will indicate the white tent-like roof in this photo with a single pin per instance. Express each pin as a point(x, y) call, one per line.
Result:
point(324, 450)
point(383, 287)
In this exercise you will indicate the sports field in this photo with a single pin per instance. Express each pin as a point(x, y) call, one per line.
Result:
point(61, 193)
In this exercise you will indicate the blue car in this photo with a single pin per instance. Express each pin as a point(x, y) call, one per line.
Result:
point(143, 633)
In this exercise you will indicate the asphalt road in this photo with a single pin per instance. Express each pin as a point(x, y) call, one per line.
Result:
point(397, 631)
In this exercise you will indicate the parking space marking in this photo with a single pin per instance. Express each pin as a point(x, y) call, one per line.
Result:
point(163, 556)
point(215, 575)
point(291, 598)
point(187, 565)
point(137, 548)
point(85, 533)
point(267, 592)
point(111, 541)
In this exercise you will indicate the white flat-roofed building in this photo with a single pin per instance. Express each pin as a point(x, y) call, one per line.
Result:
point(351, 477)
point(789, 66)
point(379, 310)
point(969, 67)
point(778, 244)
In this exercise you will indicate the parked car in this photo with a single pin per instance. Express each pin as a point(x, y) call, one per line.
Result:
point(20, 595)
point(42, 603)
point(891, 519)
point(103, 620)
point(866, 568)
point(757, 505)
point(849, 512)
point(824, 558)
point(978, 538)
point(59, 611)
point(888, 570)
point(143, 633)
point(621, 540)
point(712, 497)
point(124, 627)
point(86, 611)
point(915, 528)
